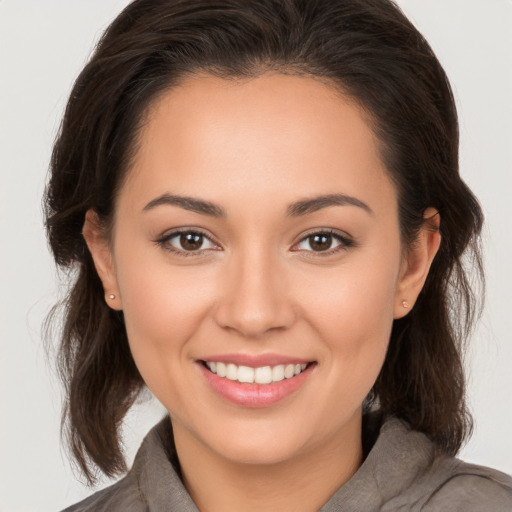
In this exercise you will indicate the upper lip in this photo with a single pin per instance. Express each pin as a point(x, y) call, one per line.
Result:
point(255, 361)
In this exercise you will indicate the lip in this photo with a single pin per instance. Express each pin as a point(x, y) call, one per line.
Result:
point(255, 361)
point(255, 395)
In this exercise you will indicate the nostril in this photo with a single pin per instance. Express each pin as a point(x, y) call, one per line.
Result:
point(253, 319)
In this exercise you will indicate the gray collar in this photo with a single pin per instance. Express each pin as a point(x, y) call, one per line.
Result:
point(396, 459)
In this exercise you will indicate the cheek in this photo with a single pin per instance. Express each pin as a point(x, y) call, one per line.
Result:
point(352, 310)
point(163, 307)
point(355, 299)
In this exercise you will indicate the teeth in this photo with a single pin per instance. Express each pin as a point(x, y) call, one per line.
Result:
point(221, 369)
point(263, 375)
point(231, 371)
point(260, 375)
point(289, 371)
point(245, 374)
point(278, 373)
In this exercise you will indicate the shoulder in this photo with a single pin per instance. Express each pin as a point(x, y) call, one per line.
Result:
point(448, 484)
point(124, 495)
point(153, 483)
point(431, 482)
point(467, 488)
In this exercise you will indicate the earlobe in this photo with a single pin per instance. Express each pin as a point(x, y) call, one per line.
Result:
point(417, 262)
point(99, 247)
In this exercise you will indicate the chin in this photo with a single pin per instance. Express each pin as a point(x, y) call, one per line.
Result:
point(248, 440)
point(259, 452)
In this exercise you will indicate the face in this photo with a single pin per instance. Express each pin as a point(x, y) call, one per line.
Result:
point(256, 256)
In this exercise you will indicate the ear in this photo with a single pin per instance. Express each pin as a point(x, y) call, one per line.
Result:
point(416, 264)
point(97, 241)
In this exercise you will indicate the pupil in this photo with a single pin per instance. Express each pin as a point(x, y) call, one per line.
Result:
point(321, 242)
point(191, 241)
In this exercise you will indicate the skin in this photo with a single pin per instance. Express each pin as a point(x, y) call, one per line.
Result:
point(252, 148)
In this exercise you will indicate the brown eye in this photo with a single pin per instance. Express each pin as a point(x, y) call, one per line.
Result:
point(187, 242)
point(323, 242)
point(191, 241)
point(320, 241)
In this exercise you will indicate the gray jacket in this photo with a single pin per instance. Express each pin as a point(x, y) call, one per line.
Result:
point(400, 473)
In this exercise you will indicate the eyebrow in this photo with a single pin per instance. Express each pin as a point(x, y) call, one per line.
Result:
point(299, 208)
point(187, 203)
point(314, 204)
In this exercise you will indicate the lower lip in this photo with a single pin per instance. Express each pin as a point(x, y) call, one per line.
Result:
point(255, 395)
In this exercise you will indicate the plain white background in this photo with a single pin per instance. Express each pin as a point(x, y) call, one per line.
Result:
point(43, 46)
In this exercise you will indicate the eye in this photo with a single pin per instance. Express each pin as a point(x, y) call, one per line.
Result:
point(323, 242)
point(187, 242)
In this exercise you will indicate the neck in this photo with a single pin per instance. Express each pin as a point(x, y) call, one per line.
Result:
point(300, 484)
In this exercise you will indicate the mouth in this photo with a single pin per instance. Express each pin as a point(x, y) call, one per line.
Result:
point(255, 384)
point(260, 375)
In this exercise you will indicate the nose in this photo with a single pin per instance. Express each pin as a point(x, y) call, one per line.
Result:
point(255, 298)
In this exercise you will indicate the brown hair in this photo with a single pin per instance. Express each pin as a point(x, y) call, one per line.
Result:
point(370, 50)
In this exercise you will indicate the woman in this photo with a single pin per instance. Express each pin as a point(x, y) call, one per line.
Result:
point(263, 206)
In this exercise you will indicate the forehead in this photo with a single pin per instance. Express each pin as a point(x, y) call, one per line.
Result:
point(274, 135)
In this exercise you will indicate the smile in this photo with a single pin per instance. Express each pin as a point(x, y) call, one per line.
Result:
point(259, 375)
point(255, 382)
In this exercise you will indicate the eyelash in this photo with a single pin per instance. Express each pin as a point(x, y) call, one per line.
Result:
point(164, 242)
point(345, 242)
